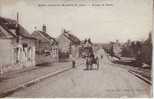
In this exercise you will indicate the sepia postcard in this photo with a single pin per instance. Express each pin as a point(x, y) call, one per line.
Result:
point(76, 48)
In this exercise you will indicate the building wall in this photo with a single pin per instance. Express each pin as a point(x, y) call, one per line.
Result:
point(75, 51)
point(63, 44)
point(14, 56)
point(117, 49)
point(43, 46)
point(28, 53)
point(6, 52)
point(7, 56)
point(46, 53)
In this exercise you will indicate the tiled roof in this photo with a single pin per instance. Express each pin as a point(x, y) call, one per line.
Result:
point(72, 38)
point(4, 33)
point(9, 24)
point(47, 36)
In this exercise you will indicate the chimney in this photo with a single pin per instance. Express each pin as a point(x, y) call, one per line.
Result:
point(44, 28)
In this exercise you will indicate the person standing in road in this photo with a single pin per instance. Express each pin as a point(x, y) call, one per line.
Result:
point(73, 61)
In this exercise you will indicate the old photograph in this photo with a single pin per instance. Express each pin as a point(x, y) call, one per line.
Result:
point(76, 48)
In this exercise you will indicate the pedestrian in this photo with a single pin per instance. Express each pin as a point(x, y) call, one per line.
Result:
point(73, 61)
point(101, 56)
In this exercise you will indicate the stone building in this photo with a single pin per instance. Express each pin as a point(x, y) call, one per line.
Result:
point(17, 49)
point(68, 44)
point(46, 47)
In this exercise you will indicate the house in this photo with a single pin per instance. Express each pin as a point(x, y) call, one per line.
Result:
point(68, 44)
point(46, 47)
point(17, 48)
point(113, 48)
point(117, 48)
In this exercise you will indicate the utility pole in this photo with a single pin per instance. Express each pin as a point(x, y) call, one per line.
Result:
point(17, 37)
point(17, 28)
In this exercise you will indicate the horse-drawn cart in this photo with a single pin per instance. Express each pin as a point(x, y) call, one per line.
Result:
point(91, 59)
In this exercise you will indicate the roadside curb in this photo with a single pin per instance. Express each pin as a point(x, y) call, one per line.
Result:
point(31, 82)
point(141, 77)
point(7, 75)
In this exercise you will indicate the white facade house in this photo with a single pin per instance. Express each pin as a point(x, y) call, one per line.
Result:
point(16, 51)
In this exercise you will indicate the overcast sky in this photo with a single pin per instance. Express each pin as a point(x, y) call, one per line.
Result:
point(125, 19)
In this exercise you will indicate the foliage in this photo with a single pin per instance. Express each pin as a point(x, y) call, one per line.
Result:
point(142, 51)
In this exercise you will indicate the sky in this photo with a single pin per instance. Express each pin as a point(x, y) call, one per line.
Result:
point(122, 20)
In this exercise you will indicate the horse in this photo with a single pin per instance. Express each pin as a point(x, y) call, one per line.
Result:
point(91, 59)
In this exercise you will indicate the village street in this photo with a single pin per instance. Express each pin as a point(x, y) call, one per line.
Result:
point(69, 48)
point(108, 81)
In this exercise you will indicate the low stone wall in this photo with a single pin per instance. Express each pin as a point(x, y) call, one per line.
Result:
point(40, 59)
point(8, 68)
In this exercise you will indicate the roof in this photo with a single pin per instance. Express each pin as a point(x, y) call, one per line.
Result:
point(45, 35)
point(9, 24)
point(72, 38)
point(4, 33)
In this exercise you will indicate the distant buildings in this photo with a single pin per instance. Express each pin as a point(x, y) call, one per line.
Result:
point(113, 48)
point(17, 46)
point(46, 47)
point(117, 48)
